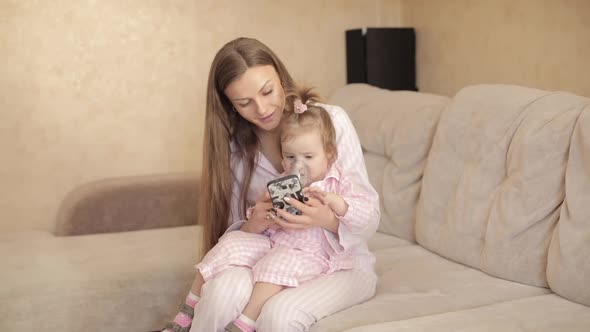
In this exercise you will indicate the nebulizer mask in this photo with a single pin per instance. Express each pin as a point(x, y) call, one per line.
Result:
point(299, 168)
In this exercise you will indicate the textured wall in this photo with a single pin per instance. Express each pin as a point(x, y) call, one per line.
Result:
point(95, 89)
point(537, 43)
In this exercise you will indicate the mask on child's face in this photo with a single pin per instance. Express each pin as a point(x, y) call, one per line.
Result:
point(299, 168)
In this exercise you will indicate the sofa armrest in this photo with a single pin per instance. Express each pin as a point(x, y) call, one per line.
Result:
point(130, 203)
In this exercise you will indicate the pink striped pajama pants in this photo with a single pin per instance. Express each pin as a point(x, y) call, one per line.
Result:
point(276, 264)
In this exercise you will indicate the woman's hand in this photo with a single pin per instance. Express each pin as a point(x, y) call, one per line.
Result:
point(334, 201)
point(260, 218)
point(313, 214)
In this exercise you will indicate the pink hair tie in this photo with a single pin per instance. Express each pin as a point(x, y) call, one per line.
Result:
point(299, 106)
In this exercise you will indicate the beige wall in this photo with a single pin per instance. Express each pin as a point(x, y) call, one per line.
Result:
point(95, 89)
point(537, 43)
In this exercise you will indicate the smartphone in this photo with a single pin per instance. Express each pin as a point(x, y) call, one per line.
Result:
point(287, 186)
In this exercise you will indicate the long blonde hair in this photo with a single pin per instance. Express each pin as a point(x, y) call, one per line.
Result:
point(223, 125)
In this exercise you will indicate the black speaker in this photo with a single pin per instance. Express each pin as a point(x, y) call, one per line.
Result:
point(383, 57)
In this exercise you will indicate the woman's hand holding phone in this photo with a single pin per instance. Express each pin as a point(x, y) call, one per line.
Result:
point(259, 220)
point(334, 201)
point(314, 214)
point(297, 211)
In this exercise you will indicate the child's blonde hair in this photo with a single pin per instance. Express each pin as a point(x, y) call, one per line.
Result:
point(315, 117)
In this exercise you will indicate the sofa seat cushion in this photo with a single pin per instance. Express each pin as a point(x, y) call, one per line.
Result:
point(70, 283)
point(102, 279)
point(414, 282)
point(381, 241)
point(545, 313)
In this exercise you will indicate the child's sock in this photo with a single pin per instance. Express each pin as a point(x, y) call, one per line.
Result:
point(192, 299)
point(242, 324)
point(184, 318)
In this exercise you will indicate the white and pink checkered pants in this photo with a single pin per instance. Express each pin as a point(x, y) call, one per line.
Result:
point(273, 263)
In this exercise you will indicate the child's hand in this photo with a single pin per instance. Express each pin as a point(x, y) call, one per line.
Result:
point(274, 226)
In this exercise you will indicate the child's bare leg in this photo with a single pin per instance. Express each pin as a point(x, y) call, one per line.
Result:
point(197, 284)
point(260, 294)
point(184, 318)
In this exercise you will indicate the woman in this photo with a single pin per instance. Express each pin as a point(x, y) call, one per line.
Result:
point(248, 90)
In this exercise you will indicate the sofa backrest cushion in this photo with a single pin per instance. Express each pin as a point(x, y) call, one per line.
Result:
point(396, 129)
point(494, 180)
point(568, 269)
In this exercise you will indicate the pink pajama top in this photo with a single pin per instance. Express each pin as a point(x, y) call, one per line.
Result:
point(347, 248)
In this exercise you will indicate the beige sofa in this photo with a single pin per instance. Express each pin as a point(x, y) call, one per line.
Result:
point(485, 225)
